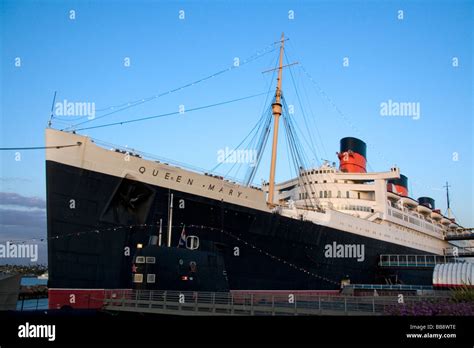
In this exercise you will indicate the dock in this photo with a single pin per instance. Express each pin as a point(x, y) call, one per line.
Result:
point(254, 304)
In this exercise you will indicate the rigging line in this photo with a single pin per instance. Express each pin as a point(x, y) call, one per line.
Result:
point(145, 100)
point(270, 83)
point(250, 175)
point(299, 159)
point(251, 58)
point(262, 141)
point(172, 113)
point(253, 143)
point(324, 95)
point(259, 124)
point(294, 156)
point(313, 148)
point(39, 147)
point(309, 104)
point(238, 146)
point(345, 118)
point(232, 167)
point(288, 155)
point(256, 140)
point(248, 147)
point(324, 187)
point(262, 146)
point(302, 133)
point(313, 118)
point(52, 109)
point(254, 131)
point(298, 146)
point(157, 158)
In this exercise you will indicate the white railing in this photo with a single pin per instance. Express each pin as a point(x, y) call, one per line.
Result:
point(258, 303)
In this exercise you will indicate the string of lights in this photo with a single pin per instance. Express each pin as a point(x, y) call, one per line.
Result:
point(202, 227)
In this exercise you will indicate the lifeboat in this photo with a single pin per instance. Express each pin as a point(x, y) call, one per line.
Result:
point(445, 221)
point(410, 202)
point(393, 196)
point(454, 274)
point(436, 215)
point(423, 209)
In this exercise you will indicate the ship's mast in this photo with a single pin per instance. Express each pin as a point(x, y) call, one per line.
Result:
point(276, 111)
point(450, 214)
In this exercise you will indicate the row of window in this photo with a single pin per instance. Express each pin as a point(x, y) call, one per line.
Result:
point(354, 207)
point(414, 221)
point(138, 278)
point(326, 194)
point(142, 259)
point(322, 171)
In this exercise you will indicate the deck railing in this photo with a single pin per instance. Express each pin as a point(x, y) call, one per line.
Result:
point(395, 260)
point(258, 303)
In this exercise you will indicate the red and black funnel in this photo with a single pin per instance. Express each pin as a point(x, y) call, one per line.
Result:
point(398, 186)
point(352, 155)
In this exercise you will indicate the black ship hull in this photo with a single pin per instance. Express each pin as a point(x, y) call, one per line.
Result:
point(95, 226)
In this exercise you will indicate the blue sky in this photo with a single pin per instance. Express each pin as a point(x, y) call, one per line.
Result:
point(407, 60)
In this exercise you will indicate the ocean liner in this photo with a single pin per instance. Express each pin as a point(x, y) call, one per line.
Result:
point(117, 220)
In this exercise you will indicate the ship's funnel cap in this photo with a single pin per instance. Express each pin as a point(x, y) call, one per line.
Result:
point(427, 202)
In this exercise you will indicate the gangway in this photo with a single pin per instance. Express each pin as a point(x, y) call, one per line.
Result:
point(413, 260)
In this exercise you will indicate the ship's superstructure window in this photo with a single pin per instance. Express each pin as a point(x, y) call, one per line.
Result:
point(150, 278)
point(338, 194)
point(150, 259)
point(140, 259)
point(320, 194)
point(347, 194)
point(138, 278)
